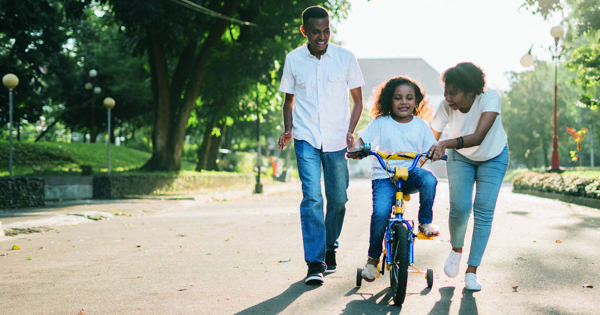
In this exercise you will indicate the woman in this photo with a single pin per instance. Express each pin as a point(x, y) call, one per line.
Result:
point(478, 154)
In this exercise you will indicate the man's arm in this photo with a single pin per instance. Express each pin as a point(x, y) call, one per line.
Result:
point(288, 105)
point(357, 108)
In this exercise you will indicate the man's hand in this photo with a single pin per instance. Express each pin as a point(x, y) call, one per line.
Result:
point(349, 140)
point(285, 138)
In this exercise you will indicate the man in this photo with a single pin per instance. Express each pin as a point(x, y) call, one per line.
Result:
point(316, 79)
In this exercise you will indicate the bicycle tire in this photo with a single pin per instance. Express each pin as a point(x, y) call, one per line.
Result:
point(399, 270)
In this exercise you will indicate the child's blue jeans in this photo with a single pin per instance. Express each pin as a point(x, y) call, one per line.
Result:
point(384, 197)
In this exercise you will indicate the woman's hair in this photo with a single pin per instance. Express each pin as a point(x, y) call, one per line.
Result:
point(385, 98)
point(466, 77)
point(315, 12)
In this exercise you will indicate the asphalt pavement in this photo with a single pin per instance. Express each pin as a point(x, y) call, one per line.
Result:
point(230, 251)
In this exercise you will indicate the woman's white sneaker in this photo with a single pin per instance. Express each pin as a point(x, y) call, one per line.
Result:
point(452, 264)
point(471, 282)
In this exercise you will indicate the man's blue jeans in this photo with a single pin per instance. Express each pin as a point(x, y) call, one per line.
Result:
point(384, 197)
point(487, 176)
point(320, 231)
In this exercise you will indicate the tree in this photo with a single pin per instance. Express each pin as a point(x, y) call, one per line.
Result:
point(33, 35)
point(583, 44)
point(181, 44)
point(99, 45)
point(527, 115)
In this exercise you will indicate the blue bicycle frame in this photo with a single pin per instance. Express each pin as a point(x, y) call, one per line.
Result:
point(399, 207)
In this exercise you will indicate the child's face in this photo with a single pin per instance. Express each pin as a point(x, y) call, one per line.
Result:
point(404, 103)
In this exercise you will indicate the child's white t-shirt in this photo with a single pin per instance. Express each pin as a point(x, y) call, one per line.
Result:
point(462, 124)
point(386, 134)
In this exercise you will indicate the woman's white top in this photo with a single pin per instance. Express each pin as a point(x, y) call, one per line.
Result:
point(462, 124)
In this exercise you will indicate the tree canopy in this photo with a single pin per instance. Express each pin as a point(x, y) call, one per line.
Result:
point(33, 38)
point(186, 48)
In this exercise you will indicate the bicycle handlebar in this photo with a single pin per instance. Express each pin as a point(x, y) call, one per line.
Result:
point(365, 151)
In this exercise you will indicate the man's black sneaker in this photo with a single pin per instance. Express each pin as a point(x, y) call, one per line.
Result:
point(315, 274)
point(330, 262)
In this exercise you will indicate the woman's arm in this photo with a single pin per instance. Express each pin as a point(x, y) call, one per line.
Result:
point(476, 138)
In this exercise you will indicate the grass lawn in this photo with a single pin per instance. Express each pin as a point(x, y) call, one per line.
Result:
point(66, 159)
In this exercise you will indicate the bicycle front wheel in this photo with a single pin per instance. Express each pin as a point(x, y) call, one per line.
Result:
point(399, 266)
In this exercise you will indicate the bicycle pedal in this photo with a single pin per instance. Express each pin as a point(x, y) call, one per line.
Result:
point(422, 236)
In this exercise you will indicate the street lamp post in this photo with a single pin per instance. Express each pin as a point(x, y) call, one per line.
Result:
point(258, 188)
point(10, 81)
point(109, 103)
point(91, 86)
point(557, 32)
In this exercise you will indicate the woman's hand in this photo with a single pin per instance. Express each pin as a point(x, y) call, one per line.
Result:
point(437, 151)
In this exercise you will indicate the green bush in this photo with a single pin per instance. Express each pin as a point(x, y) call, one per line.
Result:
point(557, 183)
point(239, 162)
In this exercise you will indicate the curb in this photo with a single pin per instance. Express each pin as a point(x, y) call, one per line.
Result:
point(582, 201)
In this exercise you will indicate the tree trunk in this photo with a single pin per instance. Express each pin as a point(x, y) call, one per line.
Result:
point(171, 112)
point(209, 149)
point(162, 158)
point(203, 149)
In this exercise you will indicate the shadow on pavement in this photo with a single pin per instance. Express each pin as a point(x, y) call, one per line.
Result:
point(279, 303)
point(468, 306)
point(379, 303)
point(467, 303)
point(443, 305)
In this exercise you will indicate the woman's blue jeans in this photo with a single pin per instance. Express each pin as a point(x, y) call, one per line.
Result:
point(384, 197)
point(486, 177)
point(320, 231)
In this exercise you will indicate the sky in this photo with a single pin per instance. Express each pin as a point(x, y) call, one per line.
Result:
point(493, 34)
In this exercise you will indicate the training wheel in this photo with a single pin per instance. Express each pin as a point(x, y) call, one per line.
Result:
point(429, 277)
point(358, 277)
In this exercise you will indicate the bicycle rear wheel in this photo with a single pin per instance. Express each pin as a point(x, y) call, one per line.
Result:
point(399, 267)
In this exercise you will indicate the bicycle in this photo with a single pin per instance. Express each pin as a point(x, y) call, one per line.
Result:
point(398, 252)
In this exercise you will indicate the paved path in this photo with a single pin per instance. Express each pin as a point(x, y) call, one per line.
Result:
point(232, 252)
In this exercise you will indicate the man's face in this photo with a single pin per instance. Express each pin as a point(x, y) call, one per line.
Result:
point(317, 32)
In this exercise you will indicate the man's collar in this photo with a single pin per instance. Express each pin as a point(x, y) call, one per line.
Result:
point(327, 51)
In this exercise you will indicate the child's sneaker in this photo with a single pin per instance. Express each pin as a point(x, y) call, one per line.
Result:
point(370, 272)
point(429, 229)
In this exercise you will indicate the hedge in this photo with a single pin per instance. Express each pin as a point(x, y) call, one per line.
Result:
point(556, 183)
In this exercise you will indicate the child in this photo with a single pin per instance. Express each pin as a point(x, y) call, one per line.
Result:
point(396, 127)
